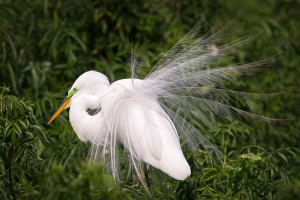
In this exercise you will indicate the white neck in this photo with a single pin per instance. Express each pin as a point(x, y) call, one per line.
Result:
point(84, 124)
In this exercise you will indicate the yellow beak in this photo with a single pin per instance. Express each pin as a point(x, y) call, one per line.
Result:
point(60, 109)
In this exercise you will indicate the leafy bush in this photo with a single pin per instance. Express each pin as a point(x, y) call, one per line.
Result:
point(21, 143)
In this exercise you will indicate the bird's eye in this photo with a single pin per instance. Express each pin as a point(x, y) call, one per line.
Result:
point(72, 92)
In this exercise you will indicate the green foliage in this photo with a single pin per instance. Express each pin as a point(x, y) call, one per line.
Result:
point(46, 45)
point(250, 176)
point(21, 142)
point(88, 181)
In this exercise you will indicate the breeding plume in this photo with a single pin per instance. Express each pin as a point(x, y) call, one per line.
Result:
point(150, 118)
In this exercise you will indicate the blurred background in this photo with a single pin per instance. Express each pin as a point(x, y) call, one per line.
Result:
point(46, 45)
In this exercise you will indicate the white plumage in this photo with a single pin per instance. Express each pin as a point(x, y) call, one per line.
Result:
point(150, 117)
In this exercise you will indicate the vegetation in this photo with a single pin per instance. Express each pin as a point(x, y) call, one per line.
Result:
point(46, 45)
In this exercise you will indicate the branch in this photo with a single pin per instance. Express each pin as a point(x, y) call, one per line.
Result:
point(9, 150)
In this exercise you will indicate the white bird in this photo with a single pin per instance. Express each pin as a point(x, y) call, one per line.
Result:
point(150, 117)
point(130, 115)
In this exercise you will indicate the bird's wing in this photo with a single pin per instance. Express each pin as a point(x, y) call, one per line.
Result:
point(140, 130)
point(190, 79)
point(149, 135)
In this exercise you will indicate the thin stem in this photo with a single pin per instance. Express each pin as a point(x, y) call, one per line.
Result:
point(1, 110)
point(225, 148)
point(9, 150)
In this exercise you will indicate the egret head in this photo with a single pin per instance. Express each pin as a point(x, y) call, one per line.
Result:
point(90, 83)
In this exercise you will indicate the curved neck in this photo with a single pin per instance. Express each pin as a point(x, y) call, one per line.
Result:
point(83, 123)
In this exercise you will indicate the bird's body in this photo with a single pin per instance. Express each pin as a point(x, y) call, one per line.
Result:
point(140, 124)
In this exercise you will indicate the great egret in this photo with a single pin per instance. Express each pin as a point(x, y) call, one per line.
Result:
point(150, 117)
